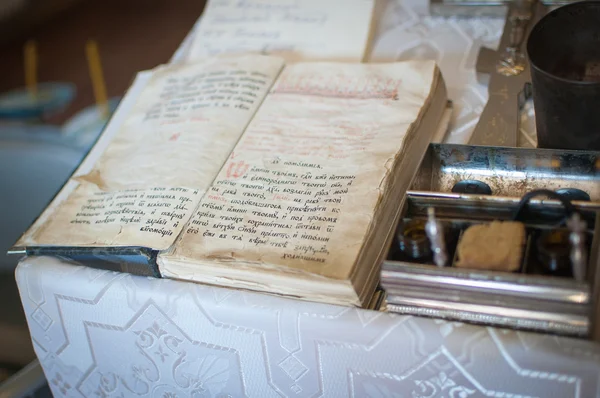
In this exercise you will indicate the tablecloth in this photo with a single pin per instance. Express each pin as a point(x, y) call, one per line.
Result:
point(109, 334)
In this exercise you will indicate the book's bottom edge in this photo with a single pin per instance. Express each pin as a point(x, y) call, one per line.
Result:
point(246, 277)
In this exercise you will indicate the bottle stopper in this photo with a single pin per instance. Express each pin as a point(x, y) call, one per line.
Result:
point(578, 255)
point(435, 233)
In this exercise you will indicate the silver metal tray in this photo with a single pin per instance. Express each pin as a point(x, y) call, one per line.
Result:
point(528, 298)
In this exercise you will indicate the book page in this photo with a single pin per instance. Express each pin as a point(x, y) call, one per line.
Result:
point(145, 185)
point(336, 30)
point(301, 187)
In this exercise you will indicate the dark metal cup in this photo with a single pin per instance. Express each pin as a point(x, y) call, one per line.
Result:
point(564, 53)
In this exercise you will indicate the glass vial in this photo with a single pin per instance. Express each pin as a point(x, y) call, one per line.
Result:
point(413, 241)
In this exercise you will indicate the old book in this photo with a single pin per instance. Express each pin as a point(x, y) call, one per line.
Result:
point(296, 30)
point(306, 203)
point(302, 205)
point(158, 155)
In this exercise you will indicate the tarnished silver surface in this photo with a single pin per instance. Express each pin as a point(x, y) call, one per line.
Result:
point(510, 172)
point(508, 118)
point(499, 316)
point(479, 8)
point(465, 208)
point(594, 278)
point(524, 299)
point(512, 60)
point(470, 8)
point(558, 290)
point(509, 76)
point(578, 250)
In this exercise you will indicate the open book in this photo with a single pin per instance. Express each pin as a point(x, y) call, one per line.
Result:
point(243, 172)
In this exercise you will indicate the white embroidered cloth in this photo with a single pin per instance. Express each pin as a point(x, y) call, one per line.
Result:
point(108, 334)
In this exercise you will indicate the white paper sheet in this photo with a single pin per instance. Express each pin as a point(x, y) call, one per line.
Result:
point(294, 29)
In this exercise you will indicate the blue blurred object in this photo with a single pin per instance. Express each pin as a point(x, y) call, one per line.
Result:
point(24, 131)
point(35, 162)
point(83, 129)
point(51, 98)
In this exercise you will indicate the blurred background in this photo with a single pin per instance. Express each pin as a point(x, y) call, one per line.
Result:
point(132, 35)
point(42, 141)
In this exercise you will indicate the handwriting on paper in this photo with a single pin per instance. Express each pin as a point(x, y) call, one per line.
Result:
point(319, 139)
point(292, 27)
point(160, 211)
point(295, 211)
point(182, 131)
point(182, 95)
point(344, 86)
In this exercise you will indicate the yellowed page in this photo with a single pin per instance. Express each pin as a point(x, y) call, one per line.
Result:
point(145, 185)
point(333, 30)
point(301, 187)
